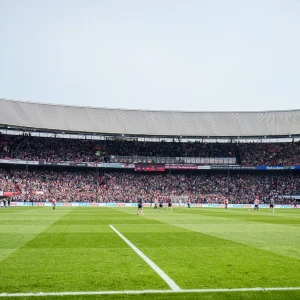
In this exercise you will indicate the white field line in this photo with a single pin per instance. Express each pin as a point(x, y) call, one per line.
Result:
point(132, 292)
point(159, 271)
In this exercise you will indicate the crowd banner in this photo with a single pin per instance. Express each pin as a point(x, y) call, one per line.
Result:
point(181, 167)
point(225, 167)
point(274, 167)
point(248, 168)
point(9, 194)
point(150, 168)
point(18, 162)
point(110, 165)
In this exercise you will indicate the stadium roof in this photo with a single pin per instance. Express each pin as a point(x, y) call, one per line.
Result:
point(61, 118)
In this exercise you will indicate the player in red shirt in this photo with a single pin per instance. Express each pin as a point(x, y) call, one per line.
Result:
point(54, 203)
point(226, 203)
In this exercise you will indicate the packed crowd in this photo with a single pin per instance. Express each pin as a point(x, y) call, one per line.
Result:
point(89, 186)
point(169, 149)
point(26, 147)
point(270, 154)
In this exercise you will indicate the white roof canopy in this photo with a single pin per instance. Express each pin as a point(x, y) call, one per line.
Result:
point(49, 117)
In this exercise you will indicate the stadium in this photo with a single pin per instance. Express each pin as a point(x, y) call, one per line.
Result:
point(98, 164)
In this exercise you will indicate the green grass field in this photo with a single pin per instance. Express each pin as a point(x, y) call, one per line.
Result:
point(73, 249)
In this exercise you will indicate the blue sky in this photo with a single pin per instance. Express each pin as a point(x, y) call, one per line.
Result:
point(190, 55)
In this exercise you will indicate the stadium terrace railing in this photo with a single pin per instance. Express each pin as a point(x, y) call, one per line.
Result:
point(172, 160)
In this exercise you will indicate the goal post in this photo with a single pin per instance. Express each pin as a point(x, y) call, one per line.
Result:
point(179, 200)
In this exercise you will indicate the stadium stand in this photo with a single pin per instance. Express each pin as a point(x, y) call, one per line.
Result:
point(89, 186)
point(33, 166)
point(28, 147)
point(59, 149)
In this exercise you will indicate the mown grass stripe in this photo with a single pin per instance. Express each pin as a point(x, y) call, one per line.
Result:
point(26, 234)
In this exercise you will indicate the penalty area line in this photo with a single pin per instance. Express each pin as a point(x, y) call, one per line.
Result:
point(170, 282)
point(133, 292)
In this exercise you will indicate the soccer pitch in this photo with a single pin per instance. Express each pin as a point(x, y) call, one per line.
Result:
point(110, 252)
